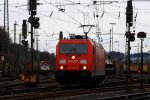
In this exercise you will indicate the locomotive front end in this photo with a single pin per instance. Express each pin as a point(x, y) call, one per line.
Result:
point(72, 61)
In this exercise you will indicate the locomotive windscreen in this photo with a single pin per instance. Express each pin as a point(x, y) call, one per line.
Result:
point(73, 48)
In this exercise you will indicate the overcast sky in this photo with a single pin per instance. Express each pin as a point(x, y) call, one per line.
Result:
point(80, 12)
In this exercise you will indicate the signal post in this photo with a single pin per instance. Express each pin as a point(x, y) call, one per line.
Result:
point(34, 22)
point(141, 35)
point(129, 37)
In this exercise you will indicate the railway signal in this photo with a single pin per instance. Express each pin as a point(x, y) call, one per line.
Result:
point(141, 35)
point(25, 43)
point(32, 5)
point(129, 13)
point(34, 21)
point(24, 29)
point(132, 36)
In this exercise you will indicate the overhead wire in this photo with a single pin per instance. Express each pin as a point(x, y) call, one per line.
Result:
point(106, 12)
point(55, 18)
point(74, 23)
point(64, 13)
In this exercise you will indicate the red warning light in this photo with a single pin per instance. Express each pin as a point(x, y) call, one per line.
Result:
point(139, 71)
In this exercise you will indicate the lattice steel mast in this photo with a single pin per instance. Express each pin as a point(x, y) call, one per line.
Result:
point(6, 29)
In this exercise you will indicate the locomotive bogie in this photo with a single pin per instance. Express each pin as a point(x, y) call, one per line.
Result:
point(73, 76)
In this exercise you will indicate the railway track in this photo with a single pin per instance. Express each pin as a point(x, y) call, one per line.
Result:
point(2, 79)
point(16, 86)
point(50, 89)
point(131, 96)
point(61, 92)
point(18, 82)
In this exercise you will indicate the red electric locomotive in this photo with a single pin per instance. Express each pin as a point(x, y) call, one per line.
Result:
point(79, 59)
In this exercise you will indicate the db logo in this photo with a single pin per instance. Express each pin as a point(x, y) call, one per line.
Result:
point(73, 61)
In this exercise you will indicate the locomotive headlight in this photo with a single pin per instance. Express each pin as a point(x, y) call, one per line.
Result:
point(73, 57)
point(83, 61)
point(62, 61)
point(84, 67)
point(61, 67)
